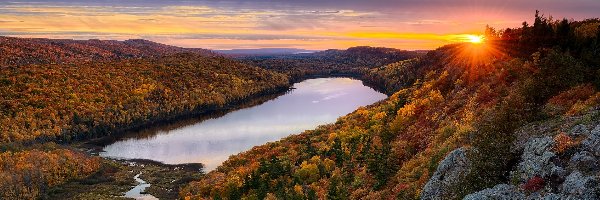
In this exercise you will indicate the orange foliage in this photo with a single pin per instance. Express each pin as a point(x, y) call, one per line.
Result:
point(27, 174)
point(76, 99)
point(392, 145)
point(563, 142)
point(570, 101)
point(582, 106)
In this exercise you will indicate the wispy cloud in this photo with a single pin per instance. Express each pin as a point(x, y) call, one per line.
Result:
point(315, 24)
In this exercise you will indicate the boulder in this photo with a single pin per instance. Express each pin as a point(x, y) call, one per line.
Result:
point(536, 159)
point(580, 186)
point(592, 142)
point(558, 172)
point(546, 196)
point(498, 192)
point(578, 130)
point(451, 171)
point(584, 161)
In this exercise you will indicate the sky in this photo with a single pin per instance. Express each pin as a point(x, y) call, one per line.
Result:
point(309, 24)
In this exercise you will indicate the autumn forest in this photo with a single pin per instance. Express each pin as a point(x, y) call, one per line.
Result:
point(513, 113)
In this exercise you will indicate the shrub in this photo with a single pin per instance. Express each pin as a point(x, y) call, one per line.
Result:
point(534, 184)
point(565, 100)
point(562, 142)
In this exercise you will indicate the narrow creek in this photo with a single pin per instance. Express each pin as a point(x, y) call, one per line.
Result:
point(137, 191)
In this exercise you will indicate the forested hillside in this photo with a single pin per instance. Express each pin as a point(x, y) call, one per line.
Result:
point(68, 90)
point(462, 118)
point(25, 51)
point(63, 90)
point(354, 61)
point(474, 96)
point(27, 173)
point(65, 101)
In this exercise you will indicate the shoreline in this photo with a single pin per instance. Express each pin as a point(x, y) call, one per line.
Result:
point(154, 170)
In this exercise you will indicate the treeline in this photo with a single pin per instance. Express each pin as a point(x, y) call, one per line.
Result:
point(75, 101)
point(26, 51)
point(64, 90)
point(354, 61)
point(579, 38)
point(27, 173)
point(462, 95)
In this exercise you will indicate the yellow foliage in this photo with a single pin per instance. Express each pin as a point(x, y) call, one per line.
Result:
point(298, 189)
point(582, 106)
point(26, 174)
point(563, 142)
point(308, 172)
point(379, 116)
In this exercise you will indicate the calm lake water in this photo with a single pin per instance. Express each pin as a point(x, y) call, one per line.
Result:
point(314, 102)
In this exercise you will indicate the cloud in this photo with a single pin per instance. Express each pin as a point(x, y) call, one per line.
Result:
point(313, 24)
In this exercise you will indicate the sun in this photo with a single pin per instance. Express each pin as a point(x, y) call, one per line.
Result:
point(476, 39)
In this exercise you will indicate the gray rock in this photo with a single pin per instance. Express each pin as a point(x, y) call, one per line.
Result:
point(498, 192)
point(558, 172)
point(592, 142)
point(451, 171)
point(578, 130)
point(596, 130)
point(536, 159)
point(579, 186)
point(547, 196)
point(584, 161)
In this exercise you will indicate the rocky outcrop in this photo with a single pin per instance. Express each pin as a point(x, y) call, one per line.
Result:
point(546, 196)
point(559, 159)
point(451, 171)
point(502, 191)
point(574, 174)
point(579, 130)
point(592, 143)
point(536, 159)
point(579, 186)
point(584, 161)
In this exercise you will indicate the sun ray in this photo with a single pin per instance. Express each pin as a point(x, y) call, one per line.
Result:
point(475, 39)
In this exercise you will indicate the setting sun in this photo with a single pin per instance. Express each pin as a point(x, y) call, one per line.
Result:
point(475, 39)
point(302, 99)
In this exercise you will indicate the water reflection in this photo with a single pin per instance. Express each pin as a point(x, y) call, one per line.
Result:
point(314, 102)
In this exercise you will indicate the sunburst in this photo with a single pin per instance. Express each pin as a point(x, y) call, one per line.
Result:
point(475, 39)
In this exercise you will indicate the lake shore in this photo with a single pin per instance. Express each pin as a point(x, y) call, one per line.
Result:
point(153, 172)
point(313, 102)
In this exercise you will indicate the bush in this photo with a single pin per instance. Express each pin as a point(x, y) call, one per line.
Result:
point(534, 184)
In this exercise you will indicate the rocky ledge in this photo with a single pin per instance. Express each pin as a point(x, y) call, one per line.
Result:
point(560, 159)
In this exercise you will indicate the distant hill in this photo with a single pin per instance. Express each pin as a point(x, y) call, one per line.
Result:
point(23, 51)
point(352, 61)
point(264, 51)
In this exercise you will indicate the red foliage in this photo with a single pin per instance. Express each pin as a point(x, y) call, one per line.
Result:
point(534, 184)
point(565, 100)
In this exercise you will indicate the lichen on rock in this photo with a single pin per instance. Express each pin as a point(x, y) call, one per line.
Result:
point(451, 171)
point(502, 191)
point(592, 142)
point(573, 174)
point(580, 186)
point(536, 159)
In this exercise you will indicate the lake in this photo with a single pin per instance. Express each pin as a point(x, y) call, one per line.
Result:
point(211, 141)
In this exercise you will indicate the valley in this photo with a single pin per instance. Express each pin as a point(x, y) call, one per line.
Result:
point(514, 115)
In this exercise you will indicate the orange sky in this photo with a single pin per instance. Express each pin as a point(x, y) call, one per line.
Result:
point(316, 25)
